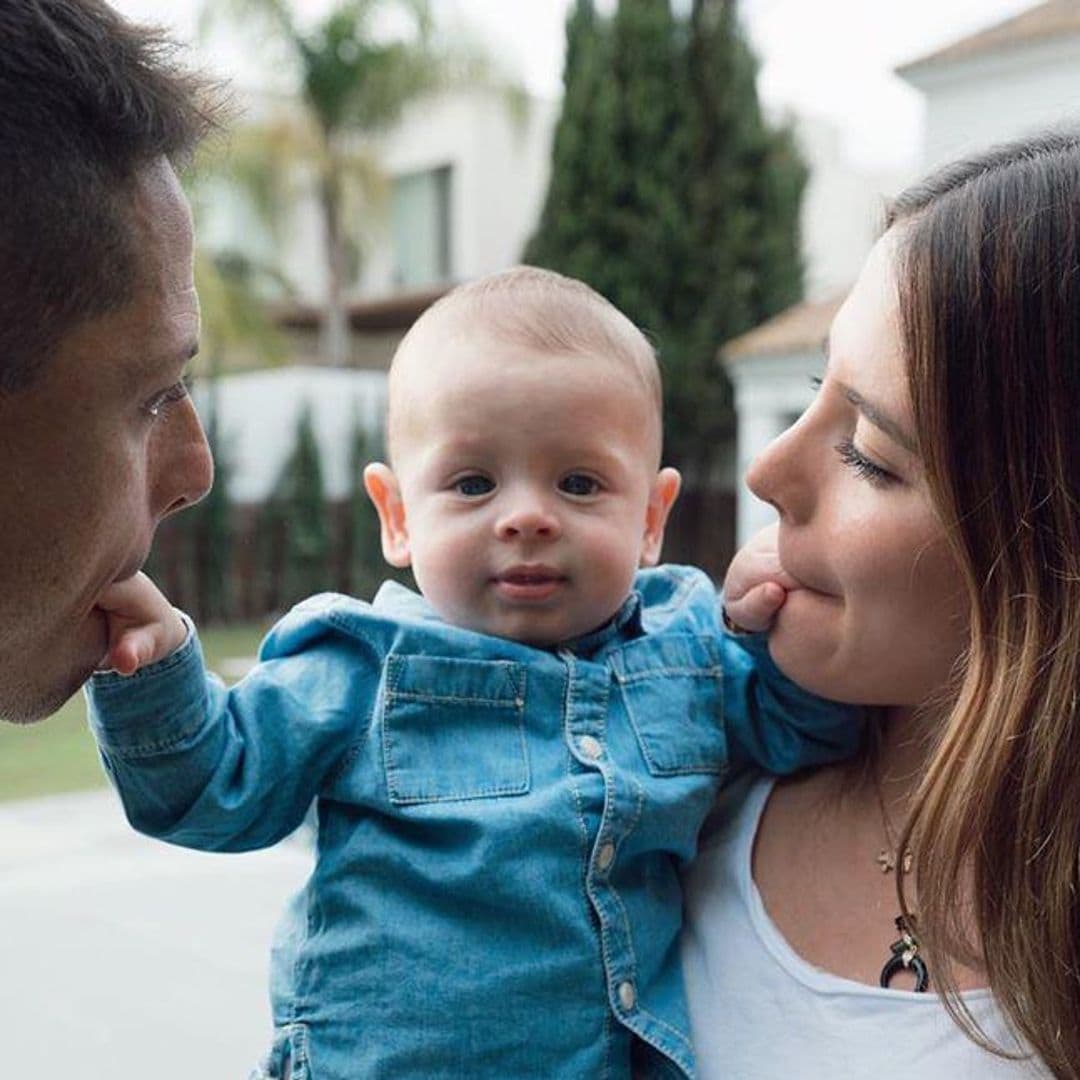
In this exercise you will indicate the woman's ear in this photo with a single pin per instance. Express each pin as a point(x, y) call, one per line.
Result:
point(665, 490)
point(384, 491)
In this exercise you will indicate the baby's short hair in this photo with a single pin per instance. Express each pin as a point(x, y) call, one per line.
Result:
point(549, 313)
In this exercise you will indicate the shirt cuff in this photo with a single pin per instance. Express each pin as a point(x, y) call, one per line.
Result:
point(155, 710)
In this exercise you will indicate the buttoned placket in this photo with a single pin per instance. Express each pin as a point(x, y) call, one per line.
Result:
point(586, 729)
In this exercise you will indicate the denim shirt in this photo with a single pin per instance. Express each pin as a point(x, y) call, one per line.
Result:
point(496, 890)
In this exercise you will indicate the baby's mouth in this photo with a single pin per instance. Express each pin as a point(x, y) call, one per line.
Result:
point(529, 582)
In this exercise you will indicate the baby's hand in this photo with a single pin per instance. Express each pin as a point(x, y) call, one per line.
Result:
point(756, 585)
point(143, 626)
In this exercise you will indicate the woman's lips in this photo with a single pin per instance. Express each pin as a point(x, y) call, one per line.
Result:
point(809, 581)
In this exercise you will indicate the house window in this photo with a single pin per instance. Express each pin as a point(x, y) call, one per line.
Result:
point(421, 222)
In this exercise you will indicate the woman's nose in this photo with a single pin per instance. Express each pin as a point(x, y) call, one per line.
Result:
point(781, 474)
point(527, 516)
point(183, 467)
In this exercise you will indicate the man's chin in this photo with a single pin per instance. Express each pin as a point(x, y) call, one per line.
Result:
point(34, 691)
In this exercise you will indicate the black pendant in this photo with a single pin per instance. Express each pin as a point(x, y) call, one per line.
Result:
point(905, 957)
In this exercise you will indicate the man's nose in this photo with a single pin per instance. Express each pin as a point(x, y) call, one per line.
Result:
point(183, 470)
point(527, 515)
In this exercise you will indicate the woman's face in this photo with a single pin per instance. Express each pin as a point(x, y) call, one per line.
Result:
point(881, 616)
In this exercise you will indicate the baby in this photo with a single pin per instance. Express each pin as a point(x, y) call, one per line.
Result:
point(509, 768)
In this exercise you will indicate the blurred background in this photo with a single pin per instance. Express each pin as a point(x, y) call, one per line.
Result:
point(718, 170)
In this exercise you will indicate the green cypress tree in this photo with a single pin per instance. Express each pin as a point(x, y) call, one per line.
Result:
point(574, 231)
point(212, 531)
point(301, 510)
point(363, 559)
point(671, 196)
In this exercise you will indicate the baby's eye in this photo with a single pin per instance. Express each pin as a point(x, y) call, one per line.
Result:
point(579, 484)
point(474, 486)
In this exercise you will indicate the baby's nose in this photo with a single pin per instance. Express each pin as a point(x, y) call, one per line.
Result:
point(527, 517)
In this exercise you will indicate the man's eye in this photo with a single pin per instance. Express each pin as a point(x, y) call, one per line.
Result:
point(474, 486)
point(579, 484)
point(160, 403)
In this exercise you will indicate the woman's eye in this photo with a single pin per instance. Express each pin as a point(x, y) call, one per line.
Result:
point(160, 403)
point(862, 466)
point(474, 486)
point(579, 484)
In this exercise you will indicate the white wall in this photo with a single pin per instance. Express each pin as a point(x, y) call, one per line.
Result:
point(770, 391)
point(842, 209)
point(500, 161)
point(258, 413)
point(986, 99)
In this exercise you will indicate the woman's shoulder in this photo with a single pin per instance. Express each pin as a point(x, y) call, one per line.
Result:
point(791, 1018)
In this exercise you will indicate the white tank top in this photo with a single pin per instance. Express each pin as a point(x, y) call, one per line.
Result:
point(761, 1012)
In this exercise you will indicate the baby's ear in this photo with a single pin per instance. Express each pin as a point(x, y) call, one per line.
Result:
point(665, 490)
point(384, 491)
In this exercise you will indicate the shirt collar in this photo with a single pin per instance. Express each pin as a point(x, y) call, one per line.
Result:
point(401, 602)
point(625, 623)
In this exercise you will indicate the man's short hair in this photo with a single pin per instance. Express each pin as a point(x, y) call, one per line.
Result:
point(87, 99)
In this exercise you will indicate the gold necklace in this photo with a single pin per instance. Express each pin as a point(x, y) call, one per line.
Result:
point(886, 857)
point(904, 952)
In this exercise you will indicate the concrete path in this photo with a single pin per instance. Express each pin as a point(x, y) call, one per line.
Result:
point(126, 959)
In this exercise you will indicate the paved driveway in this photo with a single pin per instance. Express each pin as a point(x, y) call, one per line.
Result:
point(126, 959)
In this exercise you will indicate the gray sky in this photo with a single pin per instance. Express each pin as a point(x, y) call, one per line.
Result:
point(831, 58)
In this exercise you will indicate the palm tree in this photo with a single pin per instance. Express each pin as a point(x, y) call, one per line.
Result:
point(354, 84)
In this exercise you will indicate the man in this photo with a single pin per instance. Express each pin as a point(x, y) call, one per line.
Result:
point(98, 319)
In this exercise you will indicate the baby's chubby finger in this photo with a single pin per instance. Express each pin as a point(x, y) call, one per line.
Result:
point(755, 610)
point(143, 626)
point(139, 646)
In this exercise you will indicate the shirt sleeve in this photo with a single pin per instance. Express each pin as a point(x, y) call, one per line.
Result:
point(775, 724)
point(232, 769)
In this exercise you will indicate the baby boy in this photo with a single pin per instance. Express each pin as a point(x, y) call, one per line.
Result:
point(509, 767)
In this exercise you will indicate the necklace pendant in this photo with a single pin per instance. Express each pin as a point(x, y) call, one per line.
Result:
point(905, 957)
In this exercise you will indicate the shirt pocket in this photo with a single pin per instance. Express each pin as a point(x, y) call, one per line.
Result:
point(454, 729)
point(673, 693)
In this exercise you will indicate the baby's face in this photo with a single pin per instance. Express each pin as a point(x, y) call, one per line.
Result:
point(528, 487)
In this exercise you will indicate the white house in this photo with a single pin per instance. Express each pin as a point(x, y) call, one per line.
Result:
point(466, 173)
point(258, 412)
point(1017, 76)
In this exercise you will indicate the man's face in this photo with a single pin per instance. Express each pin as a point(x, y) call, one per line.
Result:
point(100, 447)
point(528, 485)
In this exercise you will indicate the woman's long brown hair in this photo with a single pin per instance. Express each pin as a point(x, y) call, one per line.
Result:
point(989, 278)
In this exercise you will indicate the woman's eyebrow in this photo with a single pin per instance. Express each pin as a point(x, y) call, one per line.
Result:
point(876, 415)
point(880, 419)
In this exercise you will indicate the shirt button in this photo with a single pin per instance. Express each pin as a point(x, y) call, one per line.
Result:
point(605, 856)
point(627, 995)
point(591, 748)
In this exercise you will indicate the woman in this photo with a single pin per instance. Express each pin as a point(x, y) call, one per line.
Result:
point(929, 506)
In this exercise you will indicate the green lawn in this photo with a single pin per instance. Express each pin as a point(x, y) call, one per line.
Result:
point(59, 755)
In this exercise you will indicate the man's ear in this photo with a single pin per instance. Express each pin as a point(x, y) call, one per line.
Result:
point(665, 490)
point(384, 491)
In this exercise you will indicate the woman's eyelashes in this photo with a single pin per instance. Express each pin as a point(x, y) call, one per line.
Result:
point(861, 465)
